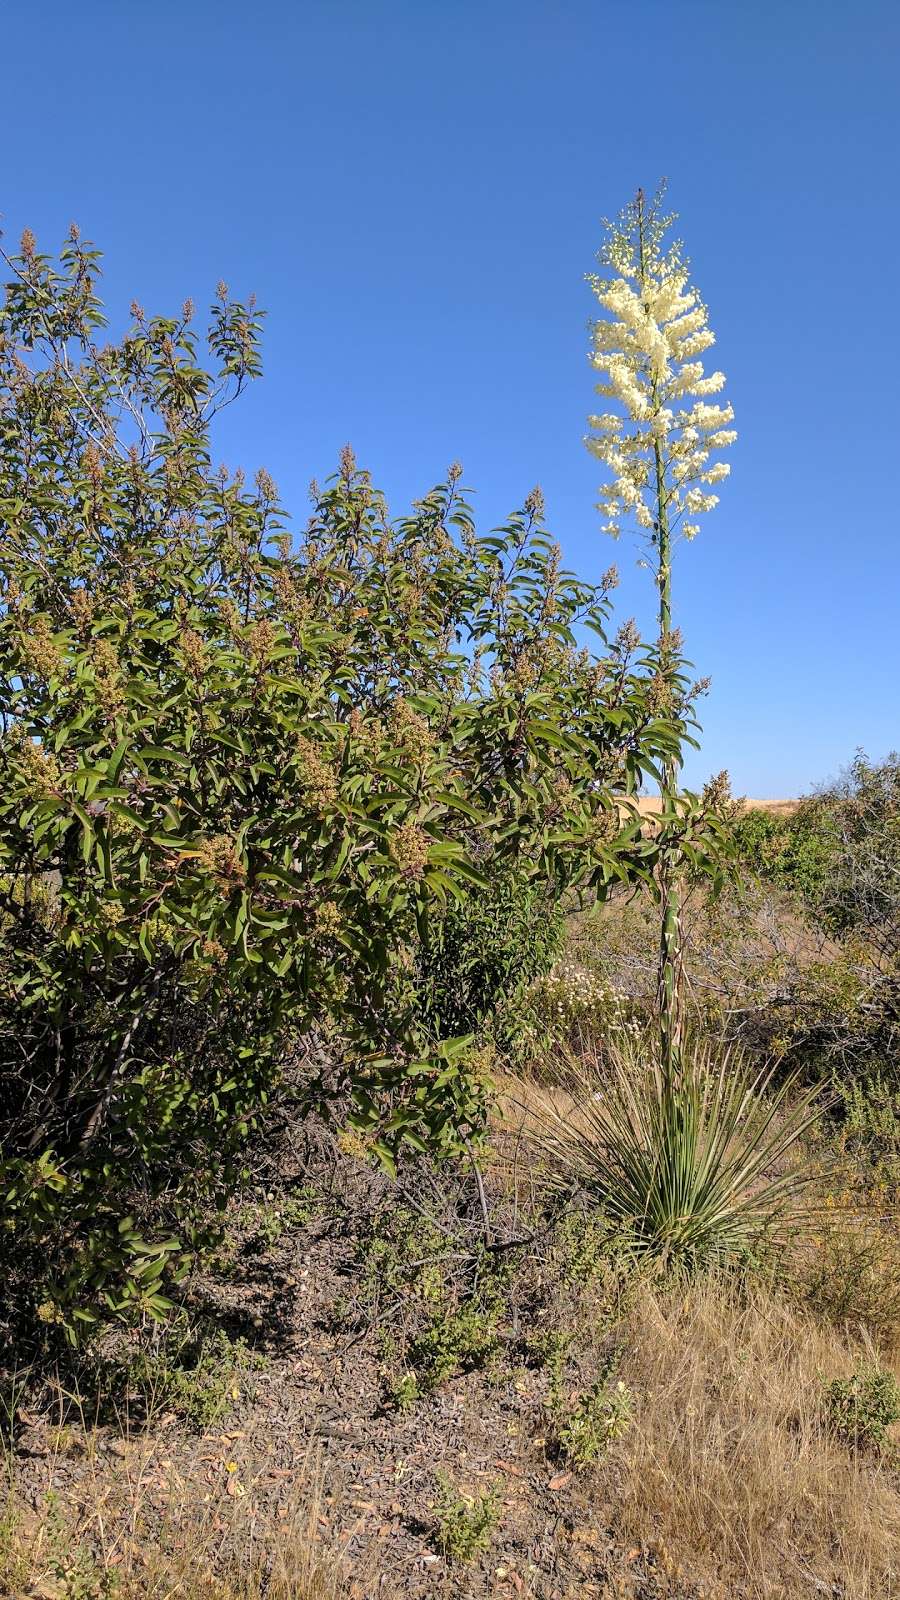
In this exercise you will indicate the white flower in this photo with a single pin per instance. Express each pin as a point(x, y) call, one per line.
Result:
point(646, 349)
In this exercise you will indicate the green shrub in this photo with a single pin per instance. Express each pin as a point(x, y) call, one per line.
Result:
point(602, 1415)
point(794, 852)
point(482, 954)
point(549, 1349)
point(404, 1391)
point(465, 1522)
point(862, 1407)
point(401, 1255)
point(455, 1340)
point(839, 856)
point(852, 1277)
point(448, 1315)
point(585, 1242)
point(869, 1131)
point(858, 817)
point(454, 1324)
point(198, 1376)
point(241, 780)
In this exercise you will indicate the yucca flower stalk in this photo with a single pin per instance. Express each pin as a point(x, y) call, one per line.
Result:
point(657, 443)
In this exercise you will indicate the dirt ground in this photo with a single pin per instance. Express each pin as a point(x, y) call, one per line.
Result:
point(319, 1409)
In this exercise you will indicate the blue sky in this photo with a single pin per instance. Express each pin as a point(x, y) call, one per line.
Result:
point(414, 192)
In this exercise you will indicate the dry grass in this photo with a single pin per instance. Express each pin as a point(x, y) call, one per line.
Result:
point(727, 1470)
point(728, 1463)
point(134, 1527)
point(849, 1272)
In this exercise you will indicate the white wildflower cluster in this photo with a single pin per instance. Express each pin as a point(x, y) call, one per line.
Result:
point(573, 993)
point(658, 440)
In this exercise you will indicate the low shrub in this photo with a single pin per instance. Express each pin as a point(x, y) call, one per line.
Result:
point(459, 1340)
point(199, 1376)
point(465, 1522)
point(575, 1007)
point(851, 1276)
point(549, 1348)
point(602, 1415)
point(838, 855)
point(482, 954)
point(862, 1407)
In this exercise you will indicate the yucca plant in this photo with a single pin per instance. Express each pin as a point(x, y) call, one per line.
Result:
point(690, 1171)
point(656, 444)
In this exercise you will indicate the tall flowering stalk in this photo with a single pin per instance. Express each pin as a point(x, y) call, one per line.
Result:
point(657, 442)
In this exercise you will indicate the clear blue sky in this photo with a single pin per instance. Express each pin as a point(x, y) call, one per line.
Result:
point(414, 189)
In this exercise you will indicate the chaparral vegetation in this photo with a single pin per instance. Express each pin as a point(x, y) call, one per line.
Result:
point(427, 1169)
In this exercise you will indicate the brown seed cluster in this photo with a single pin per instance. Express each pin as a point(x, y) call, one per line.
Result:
point(231, 621)
point(315, 775)
point(108, 675)
point(524, 674)
point(534, 503)
point(93, 464)
point(219, 857)
point(410, 732)
point(367, 732)
point(261, 639)
point(39, 651)
point(193, 650)
point(109, 914)
point(717, 791)
point(39, 770)
point(328, 919)
point(409, 850)
point(295, 607)
point(82, 607)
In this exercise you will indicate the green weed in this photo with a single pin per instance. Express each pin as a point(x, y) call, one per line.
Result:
point(601, 1415)
point(465, 1522)
point(199, 1377)
point(862, 1407)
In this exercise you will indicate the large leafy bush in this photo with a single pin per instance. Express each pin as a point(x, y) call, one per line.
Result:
point(857, 820)
point(483, 954)
point(243, 776)
point(792, 852)
point(838, 856)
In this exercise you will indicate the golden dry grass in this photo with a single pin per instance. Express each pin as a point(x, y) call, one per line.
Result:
point(728, 1466)
point(727, 1470)
point(135, 1529)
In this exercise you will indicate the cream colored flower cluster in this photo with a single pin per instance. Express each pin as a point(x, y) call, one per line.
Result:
point(656, 446)
point(572, 992)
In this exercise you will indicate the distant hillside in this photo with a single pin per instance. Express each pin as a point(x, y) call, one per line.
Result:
point(650, 803)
